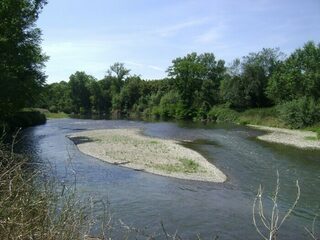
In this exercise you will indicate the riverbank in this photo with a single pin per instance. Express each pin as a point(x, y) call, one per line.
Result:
point(297, 138)
point(128, 148)
point(22, 119)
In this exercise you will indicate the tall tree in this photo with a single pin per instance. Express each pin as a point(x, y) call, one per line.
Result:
point(247, 81)
point(117, 74)
point(21, 58)
point(80, 84)
point(197, 79)
point(297, 76)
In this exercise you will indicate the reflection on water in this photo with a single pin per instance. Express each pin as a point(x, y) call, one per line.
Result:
point(144, 200)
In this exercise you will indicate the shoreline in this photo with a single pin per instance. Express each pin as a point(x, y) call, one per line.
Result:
point(129, 148)
point(297, 138)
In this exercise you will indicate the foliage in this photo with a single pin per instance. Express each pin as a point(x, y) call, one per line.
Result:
point(200, 88)
point(21, 58)
point(51, 115)
point(297, 76)
point(197, 79)
point(23, 119)
point(223, 114)
point(56, 97)
point(169, 104)
point(80, 91)
point(245, 85)
point(261, 116)
point(300, 113)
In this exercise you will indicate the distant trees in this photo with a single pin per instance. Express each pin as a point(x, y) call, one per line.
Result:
point(201, 87)
point(247, 80)
point(21, 58)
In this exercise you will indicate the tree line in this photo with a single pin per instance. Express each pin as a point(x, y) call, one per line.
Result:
point(198, 82)
point(195, 85)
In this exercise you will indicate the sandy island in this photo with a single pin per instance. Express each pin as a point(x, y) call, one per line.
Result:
point(128, 148)
point(296, 138)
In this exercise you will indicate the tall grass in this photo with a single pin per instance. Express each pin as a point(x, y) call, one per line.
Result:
point(33, 206)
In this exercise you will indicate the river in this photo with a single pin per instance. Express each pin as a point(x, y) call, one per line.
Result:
point(145, 200)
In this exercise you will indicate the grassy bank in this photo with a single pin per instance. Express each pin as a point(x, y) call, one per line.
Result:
point(254, 116)
point(270, 117)
point(52, 115)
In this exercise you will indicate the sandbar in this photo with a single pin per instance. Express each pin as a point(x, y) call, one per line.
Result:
point(129, 148)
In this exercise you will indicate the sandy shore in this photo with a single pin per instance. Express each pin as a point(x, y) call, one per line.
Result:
point(128, 148)
point(296, 138)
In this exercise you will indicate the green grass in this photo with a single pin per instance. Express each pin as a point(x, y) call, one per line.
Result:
point(51, 115)
point(37, 208)
point(311, 138)
point(48, 114)
point(186, 166)
point(315, 128)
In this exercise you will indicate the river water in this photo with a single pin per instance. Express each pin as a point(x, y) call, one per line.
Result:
point(144, 200)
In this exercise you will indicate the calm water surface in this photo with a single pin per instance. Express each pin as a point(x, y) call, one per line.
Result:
point(144, 200)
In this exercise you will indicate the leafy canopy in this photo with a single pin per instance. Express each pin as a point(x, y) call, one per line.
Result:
point(21, 58)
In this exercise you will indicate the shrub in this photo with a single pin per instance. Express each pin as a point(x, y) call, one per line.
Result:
point(223, 114)
point(261, 116)
point(53, 109)
point(25, 119)
point(300, 113)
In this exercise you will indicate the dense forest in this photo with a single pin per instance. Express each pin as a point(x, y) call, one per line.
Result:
point(201, 87)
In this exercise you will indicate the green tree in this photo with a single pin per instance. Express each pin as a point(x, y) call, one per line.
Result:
point(80, 91)
point(197, 79)
point(117, 74)
point(21, 58)
point(297, 76)
point(131, 92)
point(58, 97)
point(247, 80)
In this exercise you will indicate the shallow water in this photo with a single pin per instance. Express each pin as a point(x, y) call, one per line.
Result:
point(145, 200)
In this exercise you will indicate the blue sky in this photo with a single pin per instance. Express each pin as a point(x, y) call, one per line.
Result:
point(146, 35)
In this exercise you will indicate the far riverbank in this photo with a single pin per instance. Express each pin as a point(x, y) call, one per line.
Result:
point(297, 138)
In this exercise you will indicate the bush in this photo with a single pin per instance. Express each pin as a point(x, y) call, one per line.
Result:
point(168, 105)
point(223, 114)
point(25, 119)
point(300, 113)
point(53, 109)
point(261, 116)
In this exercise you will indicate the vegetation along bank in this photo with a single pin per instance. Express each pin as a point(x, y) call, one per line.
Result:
point(265, 88)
